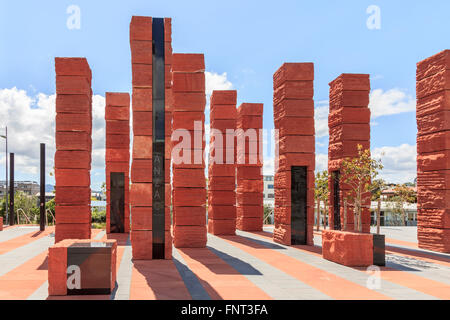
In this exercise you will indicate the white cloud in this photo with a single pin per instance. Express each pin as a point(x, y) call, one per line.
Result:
point(382, 103)
point(98, 131)
point(394, 101)
point(215, 81)
point(321, 118)
point(399, 162)
point(321, 162)
point(31, 121)
point(269, 167)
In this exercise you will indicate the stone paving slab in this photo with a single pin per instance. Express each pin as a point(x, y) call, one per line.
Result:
point(14, 232)
point(17, 257)
point(357, 276)
point(122, 291)
point(274, 282)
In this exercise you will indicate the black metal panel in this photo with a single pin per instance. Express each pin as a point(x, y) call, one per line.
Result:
point(94, 261)
point(158, 88)
point(298, 205)
point(336, 200)
point(12, 214)
point(379, 256)
point(42, 189)
point(117, 202)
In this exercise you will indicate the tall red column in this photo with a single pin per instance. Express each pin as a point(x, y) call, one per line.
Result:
point(117, 118)
point(250, 185)
point(222, 164)
point(73, 148)
point(141, 192)
point(189, 182)
point(433, 152)
point(294, 121)
point(349, 126)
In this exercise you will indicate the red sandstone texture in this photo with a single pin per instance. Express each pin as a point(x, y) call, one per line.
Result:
point(189, 183)
point(433, 152)
point(349, 126)
point(141, 166)
point(222, 169)
point(249, 192)
point(57, 265)
point(73, 148)
point(117, 117)
point(293, 85)
point(1, 223)
point(348, 248)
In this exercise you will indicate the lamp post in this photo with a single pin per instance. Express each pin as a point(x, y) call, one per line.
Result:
point(42, 189)
point(6, 175)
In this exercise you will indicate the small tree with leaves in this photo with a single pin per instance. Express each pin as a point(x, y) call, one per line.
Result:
point(379, 187)
point(359, 174)
point(268, 210)
point(403, 194)
point(321, 193)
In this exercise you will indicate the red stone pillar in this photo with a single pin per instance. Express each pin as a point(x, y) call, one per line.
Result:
point(73, 148)
point(349, 126)
point(250, 185)
point(117, 118)
point(433, 152)
point(222, 164)
point(142, 153)
point(189, 183)
point(294, 121)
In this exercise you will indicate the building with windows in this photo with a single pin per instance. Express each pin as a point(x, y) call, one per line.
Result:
point(28, 187)
point(390, 214)
point(269, 191)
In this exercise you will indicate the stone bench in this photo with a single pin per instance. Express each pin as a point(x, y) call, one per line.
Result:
point(353, 249)
point(82, 267)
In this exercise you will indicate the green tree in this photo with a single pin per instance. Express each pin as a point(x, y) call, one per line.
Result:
point(403, 194)
point(3, 208)
point(50, 210)
point(359, 174)
point(267, 213)
point(26, 205)
point(379, 187)
point(321, 194)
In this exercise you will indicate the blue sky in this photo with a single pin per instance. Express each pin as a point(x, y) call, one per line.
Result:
point(248, 40)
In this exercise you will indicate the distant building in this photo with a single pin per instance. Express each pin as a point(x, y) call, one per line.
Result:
point(48, 196)
point(99, 205)
point(269, 191)
point(389, 193)
point(2, 189)
point(98, 195)
point(28, 187)
point(389, 215)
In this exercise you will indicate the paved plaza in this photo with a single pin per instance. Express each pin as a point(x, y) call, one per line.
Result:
point(246, 266)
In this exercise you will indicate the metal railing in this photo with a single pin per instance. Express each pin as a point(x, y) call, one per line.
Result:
point(20, 210)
